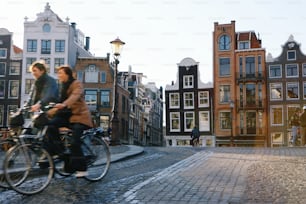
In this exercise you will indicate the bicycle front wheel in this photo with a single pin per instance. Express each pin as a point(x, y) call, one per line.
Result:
point(99, 161)
point(5, 145)
point(28, 169)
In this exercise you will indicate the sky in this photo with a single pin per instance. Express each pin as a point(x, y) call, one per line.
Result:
point(159, 34)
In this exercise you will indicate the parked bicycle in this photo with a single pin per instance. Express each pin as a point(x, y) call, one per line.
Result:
point(27, 174)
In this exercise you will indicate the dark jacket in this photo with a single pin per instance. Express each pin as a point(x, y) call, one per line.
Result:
point(44, 90)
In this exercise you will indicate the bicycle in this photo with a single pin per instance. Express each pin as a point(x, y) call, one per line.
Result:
point(27, 174)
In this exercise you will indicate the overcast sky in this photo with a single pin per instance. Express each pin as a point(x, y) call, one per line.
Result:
point(160, 33)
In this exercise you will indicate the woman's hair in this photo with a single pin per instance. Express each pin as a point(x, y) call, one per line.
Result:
point(40, 64)
point(67, 69)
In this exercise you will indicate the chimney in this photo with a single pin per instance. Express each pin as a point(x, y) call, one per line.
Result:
point(87, 43)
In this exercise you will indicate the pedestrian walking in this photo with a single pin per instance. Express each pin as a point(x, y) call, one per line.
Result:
point(303, 126)
point(295, 125)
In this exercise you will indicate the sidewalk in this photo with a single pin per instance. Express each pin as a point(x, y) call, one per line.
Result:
point(121, 152)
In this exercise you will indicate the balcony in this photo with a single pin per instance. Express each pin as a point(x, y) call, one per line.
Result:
point(250, 105)
point(243, 77)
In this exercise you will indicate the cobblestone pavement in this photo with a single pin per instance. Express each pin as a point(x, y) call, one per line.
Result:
point(211, 175)
point(228, 175)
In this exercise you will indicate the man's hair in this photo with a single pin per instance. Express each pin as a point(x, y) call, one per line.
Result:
point(40, 64)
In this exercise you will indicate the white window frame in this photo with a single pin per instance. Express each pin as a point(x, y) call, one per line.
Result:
point(91, 74)
point(174, 100)
point(188, 81)
point(2, 94)
point(225, 120)
point(13, 84)
point(291, 51)
point(175, 116)
point(188, 102)
point(204, 121)
point(4, 71)
point(188, 121)
point(298, 90)
point(276, 85)
point(3, 53)
point(280, 70)
point(203, 98)
point(297, 70)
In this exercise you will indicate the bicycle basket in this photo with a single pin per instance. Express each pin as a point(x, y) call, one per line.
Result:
point(16, 119)
point(40, 120)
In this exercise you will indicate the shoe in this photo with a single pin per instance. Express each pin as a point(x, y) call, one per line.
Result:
point(80, 174)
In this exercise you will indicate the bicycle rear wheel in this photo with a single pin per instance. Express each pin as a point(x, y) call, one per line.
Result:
point(28, 174)
point(5, 145)
point(99, 161)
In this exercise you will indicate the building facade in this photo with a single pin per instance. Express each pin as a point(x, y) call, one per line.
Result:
point(286, 84)
point(239, 77)
point(53, 40)
point(10, 76)
point(189, 103)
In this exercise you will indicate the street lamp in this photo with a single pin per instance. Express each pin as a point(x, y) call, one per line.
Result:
point(117, 45)
point(232, 105)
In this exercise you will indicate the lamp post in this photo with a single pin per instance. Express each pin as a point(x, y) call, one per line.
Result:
point(117, 45)
point(232, 105)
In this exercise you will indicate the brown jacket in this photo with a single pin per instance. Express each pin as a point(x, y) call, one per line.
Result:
point(77, 104)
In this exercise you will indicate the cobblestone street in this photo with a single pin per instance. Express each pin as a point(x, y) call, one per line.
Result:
point(198, 175)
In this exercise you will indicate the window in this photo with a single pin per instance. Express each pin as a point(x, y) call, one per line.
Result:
point(225, 120)
point(275, 71)
point(189, 121)
point(13, 89)
point(250, 122)
point(291, 55)
point(304, 91)
point(91, 74)
point(293, 90)
point(188, 100)
point(58, 62)
point(10, 109)
point(276, 90)
point(259, 66)
point(224, 42)
point(91, 98)
point(250, 94)
point(174, 100)
point(243, 45)
point(32, 45)
point(203, 98)
point(224, 93)
point(224, 67)
point(103, 77)
point(175, 122)
point(250, 67)
point(276, 114)
point(46, 28)
point(46, 47)
point(2, 88)
point(1, 114)
point(2, 68)
point(292, 70)
point(105, 98)
point(28, 85)
point(204, 121)
point(48, 63)
point(304, 70)
point(14, 68)
point(188, 81)
point(59, 45)
point(29, 61)
point(3, 52)
point(80, 76)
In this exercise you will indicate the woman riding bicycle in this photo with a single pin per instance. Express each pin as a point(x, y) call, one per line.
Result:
point(71, 112)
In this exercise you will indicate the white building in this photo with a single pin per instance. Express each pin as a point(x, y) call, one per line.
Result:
point(50, 38)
